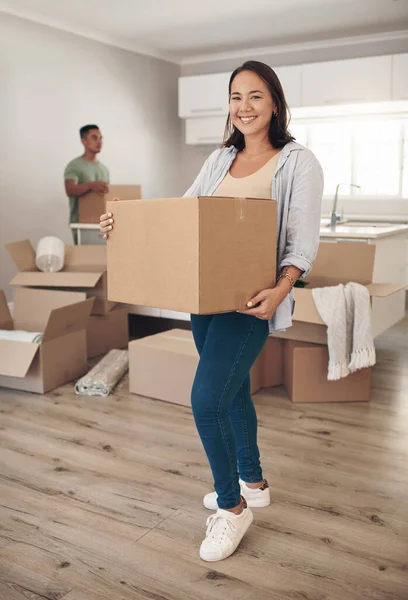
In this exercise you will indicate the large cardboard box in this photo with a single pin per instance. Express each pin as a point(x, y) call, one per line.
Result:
point(91, 205)
point(341, 263)
point(84, 270)
point(305, 376)
point(59, 358)
point(163, 366)
point(199, 255)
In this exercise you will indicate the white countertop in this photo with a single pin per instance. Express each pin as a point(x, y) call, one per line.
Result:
point(362, 231)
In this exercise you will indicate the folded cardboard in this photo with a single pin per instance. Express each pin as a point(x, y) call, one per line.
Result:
point(163, 366)
point(91, 205)
point(305, 376)
point(199, 255)
point(84, 270)
point(59, 358)
point(342, 263)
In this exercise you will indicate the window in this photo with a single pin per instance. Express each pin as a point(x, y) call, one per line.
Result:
point(371, 152)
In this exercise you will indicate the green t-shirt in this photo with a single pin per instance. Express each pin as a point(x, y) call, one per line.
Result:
point(82, 171)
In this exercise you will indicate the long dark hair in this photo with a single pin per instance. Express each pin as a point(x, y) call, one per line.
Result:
point(279, 134)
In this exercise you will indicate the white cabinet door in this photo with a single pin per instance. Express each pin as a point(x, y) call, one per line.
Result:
point(208, 130)
point(291, 80)
point(203, 95)
point(347, 81)
point(400, 77)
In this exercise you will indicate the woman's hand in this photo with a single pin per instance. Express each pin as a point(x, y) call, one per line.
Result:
point(106, 223)
point(265, 303)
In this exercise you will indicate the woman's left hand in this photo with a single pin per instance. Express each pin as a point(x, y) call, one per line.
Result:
point(268, 301)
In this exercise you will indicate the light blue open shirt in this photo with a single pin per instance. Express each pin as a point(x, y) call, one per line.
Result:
point(298, 188)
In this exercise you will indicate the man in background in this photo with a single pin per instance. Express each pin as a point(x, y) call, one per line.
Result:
point(85, 173)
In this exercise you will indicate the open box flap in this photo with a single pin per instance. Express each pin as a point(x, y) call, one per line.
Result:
point(6, 322)
point(85, 258)
point(23, 255)
point(343, 262)
point(32, 306)
point(383, 290)
point(16, 357)
point(67, 319)
point(62, 279)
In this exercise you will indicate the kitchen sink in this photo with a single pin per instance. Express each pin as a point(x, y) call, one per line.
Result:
point(360, 224)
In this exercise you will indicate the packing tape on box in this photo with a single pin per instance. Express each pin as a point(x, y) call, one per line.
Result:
point(240, 206)
point(240, 300)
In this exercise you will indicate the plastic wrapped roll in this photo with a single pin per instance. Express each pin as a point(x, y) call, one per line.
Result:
point(50, 254)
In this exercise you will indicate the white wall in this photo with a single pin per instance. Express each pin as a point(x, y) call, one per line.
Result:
point(53, 82)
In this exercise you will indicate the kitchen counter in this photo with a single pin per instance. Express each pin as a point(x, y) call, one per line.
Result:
point(362, 231)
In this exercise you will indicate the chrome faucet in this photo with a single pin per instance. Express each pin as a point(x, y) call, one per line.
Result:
point(335, 218)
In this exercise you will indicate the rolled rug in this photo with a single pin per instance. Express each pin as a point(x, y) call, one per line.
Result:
point(105, 375)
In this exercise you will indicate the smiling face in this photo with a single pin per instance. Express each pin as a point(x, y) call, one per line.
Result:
point(251, 104)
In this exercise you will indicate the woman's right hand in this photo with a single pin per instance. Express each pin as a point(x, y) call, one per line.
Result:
point(106, 223)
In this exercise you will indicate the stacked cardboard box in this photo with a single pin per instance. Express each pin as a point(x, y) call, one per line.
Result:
point(306, 352)
point(91, 205)
point(163, 366)
point(83, 276)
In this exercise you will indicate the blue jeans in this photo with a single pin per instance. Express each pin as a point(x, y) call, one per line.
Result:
point(224, 413)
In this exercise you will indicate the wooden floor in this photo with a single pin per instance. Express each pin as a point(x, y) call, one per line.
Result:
point(101, 499)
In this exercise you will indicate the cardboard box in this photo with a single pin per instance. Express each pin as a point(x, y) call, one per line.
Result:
point(341, 263)
point(305, 376)
point(198, 255)
point(163, 366)
point(106, 332)
point(84, 270)
point(59, 358)
point(91, 205)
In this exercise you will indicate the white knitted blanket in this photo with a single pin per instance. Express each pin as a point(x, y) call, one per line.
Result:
point(346, 311)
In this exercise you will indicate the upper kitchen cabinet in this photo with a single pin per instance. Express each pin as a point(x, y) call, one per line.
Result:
point(347, 81)
point(400, 77)
point(291, 80)
point(208, 130)
point(203, 95)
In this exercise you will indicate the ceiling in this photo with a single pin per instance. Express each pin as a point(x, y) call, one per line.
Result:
point(180, 29)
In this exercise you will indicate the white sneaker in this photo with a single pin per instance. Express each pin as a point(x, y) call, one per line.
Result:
point(256, 498)
point(224, 532)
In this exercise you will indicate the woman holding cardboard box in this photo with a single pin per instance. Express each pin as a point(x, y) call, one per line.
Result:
point(259, 159)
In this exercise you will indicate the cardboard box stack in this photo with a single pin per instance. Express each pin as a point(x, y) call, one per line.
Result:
point(60, 357)
point(91, 205)
point(83, 276)
point(306, 352)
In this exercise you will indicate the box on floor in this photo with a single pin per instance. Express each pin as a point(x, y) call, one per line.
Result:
point(198, 255)
point(305, 376)
point(163, 366)
point(103, 332)
point(84, 270)
point(91, 205)
point(59, 358)
point(340, 263)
